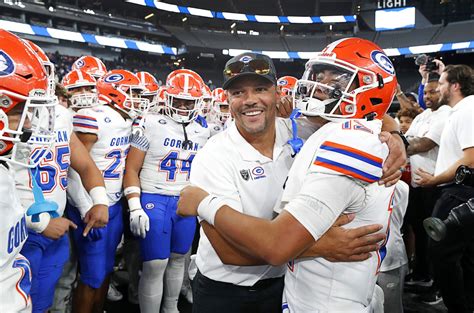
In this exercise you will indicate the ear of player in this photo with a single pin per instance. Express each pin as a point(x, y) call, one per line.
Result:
point(350, 78)
point(26, 103)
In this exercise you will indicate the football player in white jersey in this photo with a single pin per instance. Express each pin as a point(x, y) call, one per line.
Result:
point(26, 112)
point(47, 247)
point(219, 115)
point(105, 131)
point(157, 168)
point(346, 89)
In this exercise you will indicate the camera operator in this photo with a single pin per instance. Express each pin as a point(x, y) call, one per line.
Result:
point(427, 65)
point(424, 137)
point(453, 258)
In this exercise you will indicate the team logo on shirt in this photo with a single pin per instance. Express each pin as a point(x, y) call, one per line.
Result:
point(382, 61)
point(107, 119)
point(149, 206)
point(245, 174)
point(254, 174)
point(7, 66)
point(162, 121)
point(258, 172)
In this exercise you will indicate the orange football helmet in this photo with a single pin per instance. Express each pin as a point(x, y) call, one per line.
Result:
point(48, 65)
point(206, 100)
point(23, 93)
point(286, 84)
point(90, 65)
point(80, 98)
point(183, 85)
point(122, 89)
point(350, 78)
point(150, 83)
point(220, 107)
point(151, 88)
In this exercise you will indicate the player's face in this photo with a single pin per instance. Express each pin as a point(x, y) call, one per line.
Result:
point(81, 90)
point(183, 104)
point(332, 78)
point(206, 107)
point(14, 118)
point(431, 95)
point(224, 108)
point(252, 102)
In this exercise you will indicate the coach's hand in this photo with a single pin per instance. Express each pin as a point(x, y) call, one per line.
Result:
point(396, 159)
point(96, 217)
point(139, 223)
point(346, 245)
point(57, 227)
point(189, 200)
point(285, 106)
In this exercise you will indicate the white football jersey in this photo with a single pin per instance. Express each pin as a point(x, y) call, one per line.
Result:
point(113, 142)
point(336, 172)
point(167, 164)
point(51, 173)
point(15, 273)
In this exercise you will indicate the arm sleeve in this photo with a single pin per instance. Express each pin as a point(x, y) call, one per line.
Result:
point(84, 122)
point(421, 102)
point(319, 202)
point(140, 142)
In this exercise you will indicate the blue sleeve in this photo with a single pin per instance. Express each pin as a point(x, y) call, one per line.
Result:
point(202, 121)
point(421, 90)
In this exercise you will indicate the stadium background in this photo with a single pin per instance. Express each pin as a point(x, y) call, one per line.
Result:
point(162, 36)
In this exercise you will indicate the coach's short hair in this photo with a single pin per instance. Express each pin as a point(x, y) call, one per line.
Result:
point(463, 75)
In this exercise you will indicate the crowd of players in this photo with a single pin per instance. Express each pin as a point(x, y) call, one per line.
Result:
point(65, 168)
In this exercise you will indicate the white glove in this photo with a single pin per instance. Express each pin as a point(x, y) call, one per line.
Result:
point(139, 222)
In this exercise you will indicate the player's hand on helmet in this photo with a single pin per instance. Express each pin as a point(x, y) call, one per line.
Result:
point(339, 244)
point(285, 106)
point(96, 217)
point(57, 227)
point(139, 223)
point(189, 200)
point(396, 159)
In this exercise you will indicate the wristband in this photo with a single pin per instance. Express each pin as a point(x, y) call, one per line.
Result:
point(404, 139)
point(99, 196)
point(208, 207)
point(132, 189)
point(134, 204)
point(39, 226)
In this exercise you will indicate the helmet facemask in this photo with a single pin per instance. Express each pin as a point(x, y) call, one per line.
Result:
point(83, 99)
point(35, 129)
point(182, 115)
point(220, 115)
point(323, 88)
point(134, 104)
